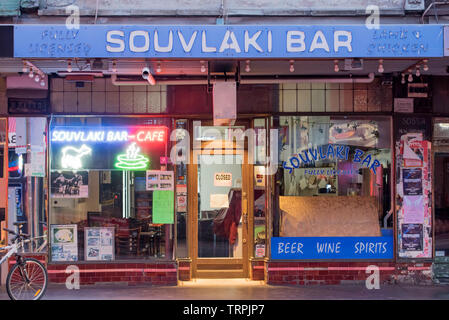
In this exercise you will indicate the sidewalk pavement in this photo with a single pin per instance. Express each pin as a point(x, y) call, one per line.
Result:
point(241, 289)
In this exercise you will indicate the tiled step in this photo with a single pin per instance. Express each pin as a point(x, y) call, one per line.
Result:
point(219, 274)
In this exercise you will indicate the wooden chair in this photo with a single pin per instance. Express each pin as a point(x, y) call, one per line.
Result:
point(127, 241)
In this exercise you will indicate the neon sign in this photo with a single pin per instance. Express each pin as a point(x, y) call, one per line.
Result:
point(332, 151)
point(132, 160)
point(142, 135)
point(71, 156)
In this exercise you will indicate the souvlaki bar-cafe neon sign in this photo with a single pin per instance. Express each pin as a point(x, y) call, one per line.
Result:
point(331, 151)
point(120, 148)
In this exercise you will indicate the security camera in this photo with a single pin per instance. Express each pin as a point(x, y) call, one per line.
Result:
point(146, 74)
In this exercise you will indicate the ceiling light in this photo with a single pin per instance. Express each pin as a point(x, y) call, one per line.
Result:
point(418, 71)
point(425, 67)
point(114, 66)
point(42, 83)
point(69, 66)
point(37, 78)
point(292, 66)
point(25, 67)
point(31, 74)
point(410, 77)
point(203, 67)
point(336, 68)
point(403, 78)
point(381, 66)
point(247, 67)
point(158, 68)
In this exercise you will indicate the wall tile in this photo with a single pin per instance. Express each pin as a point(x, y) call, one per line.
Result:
point(98, 101)
point(70, 101)
point(85, 102)
point(57, 101)
point(140, 102)
point(112, 102)
point(126, 102)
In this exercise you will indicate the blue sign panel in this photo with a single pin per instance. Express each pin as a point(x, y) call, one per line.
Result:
point(226, 41)
point(289, 248)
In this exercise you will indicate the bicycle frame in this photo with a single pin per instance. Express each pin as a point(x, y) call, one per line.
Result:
point(12, 249)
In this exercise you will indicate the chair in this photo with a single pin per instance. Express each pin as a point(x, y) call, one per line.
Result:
point(127, 241)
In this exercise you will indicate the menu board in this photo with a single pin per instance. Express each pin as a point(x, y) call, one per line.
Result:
point(99, 244)
point(64, 242)
point(159, 180)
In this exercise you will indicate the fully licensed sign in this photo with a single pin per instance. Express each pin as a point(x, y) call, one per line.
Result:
point(225, 41)
point(296, 248)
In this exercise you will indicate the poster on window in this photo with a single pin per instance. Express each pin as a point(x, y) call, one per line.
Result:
point(412, 181)
point(99, 244)
point(181, 198)
point(37, 164)
point(413, 207)
point(69, 184)
point(64, 242)
point(412, 237)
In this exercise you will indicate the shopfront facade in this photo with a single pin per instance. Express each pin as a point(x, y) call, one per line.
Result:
point(290, 178)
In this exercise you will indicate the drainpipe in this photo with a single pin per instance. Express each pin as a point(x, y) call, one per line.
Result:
point(248, 80)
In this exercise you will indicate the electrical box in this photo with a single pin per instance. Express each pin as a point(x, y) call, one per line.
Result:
point(414, 5)
point(224, 103)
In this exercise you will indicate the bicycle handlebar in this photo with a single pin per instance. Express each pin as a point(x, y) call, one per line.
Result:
point(25, 235)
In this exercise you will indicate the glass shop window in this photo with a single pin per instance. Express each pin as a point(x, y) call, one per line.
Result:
point(112, 189)
point(336, 178)
point(27, 182)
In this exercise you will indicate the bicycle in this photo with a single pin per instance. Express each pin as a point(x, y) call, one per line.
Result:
point(28, 278)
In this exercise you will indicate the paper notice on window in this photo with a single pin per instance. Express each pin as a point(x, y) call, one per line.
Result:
point(413, 207)
point(219, 201)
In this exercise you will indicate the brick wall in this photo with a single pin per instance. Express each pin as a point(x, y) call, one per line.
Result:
point(163, 273)
point(185, 270)
point(334, 273)
point(257, 270)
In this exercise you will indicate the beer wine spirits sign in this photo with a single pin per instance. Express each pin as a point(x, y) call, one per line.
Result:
point(302, 248)
point(226, 41)
point(107, 148)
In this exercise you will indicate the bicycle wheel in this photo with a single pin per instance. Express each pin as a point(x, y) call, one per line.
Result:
point(27, 281)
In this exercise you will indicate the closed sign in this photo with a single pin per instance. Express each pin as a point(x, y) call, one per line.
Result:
point(223, 179)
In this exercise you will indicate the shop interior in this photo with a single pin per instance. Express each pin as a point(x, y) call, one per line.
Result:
point(317, 181)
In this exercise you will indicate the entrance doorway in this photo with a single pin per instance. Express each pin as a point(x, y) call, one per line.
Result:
point(221, 204)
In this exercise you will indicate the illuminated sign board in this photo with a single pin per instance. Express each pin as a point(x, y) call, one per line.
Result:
point(108, 148)
point(228, 41)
